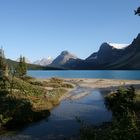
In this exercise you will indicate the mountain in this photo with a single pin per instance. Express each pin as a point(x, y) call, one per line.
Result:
point(63, 58)
point(131, 59)
point(111, 56)
point(119, 46)
point(44, 61)
point(108, 53)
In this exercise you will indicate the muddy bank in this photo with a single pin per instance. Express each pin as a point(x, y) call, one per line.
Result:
point(103, 83)
point(88, 84)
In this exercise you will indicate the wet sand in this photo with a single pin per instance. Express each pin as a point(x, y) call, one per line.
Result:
point(104, 84)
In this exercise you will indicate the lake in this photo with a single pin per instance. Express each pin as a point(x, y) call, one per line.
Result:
point(106, 74)
point(62, 121)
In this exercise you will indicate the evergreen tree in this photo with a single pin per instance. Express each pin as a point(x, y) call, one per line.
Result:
point(3, 70)
point(22, 67)
point(1, 61)
point(3, 64)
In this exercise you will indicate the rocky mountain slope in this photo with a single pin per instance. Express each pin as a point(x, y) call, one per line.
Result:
point(63, 58)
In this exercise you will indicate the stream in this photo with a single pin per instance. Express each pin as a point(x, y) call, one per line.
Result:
point(62, 122)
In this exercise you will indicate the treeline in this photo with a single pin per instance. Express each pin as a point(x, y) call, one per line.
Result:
point(20, 70)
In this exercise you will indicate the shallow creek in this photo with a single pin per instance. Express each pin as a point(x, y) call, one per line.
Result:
point(62, 121)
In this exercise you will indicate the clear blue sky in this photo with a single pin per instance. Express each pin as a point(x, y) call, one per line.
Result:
point(41, 28)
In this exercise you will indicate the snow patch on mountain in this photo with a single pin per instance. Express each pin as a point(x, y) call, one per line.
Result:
point(118, 46)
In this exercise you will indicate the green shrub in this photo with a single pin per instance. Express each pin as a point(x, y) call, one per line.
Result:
point(56, 80)
point(121, 101)
point(36, 83)
point(18, 110)
point(124, 125)
point(67, 85)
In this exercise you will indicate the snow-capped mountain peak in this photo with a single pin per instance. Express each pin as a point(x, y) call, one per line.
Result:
point(118, 46)
point(44, 61)
point(49, 58)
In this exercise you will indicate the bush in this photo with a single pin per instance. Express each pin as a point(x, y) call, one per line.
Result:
point(56, 80)
point(17, 110)
point(124, 125)
point(37, 83)
point(121, 101)
point(67, 85)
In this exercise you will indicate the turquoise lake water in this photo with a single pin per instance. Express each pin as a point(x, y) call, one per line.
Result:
point(107, 74)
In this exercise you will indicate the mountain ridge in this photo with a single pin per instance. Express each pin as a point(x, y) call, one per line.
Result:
point(110, 57)
point(119, 56)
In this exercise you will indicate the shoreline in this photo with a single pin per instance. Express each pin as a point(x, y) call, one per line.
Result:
point(102, 83)
point(92, 84)
point(97, 83)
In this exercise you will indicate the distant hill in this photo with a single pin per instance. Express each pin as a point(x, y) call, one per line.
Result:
point(12, 63)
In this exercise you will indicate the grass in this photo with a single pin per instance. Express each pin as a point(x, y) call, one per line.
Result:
point(137, 104)
point(15, 111)
point(29, 100)
point(57, 83)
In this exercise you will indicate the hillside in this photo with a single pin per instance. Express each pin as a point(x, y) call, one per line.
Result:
point(12, 63)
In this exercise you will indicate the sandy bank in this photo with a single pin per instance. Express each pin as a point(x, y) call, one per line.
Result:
point(88, 84)
point(103, 83)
